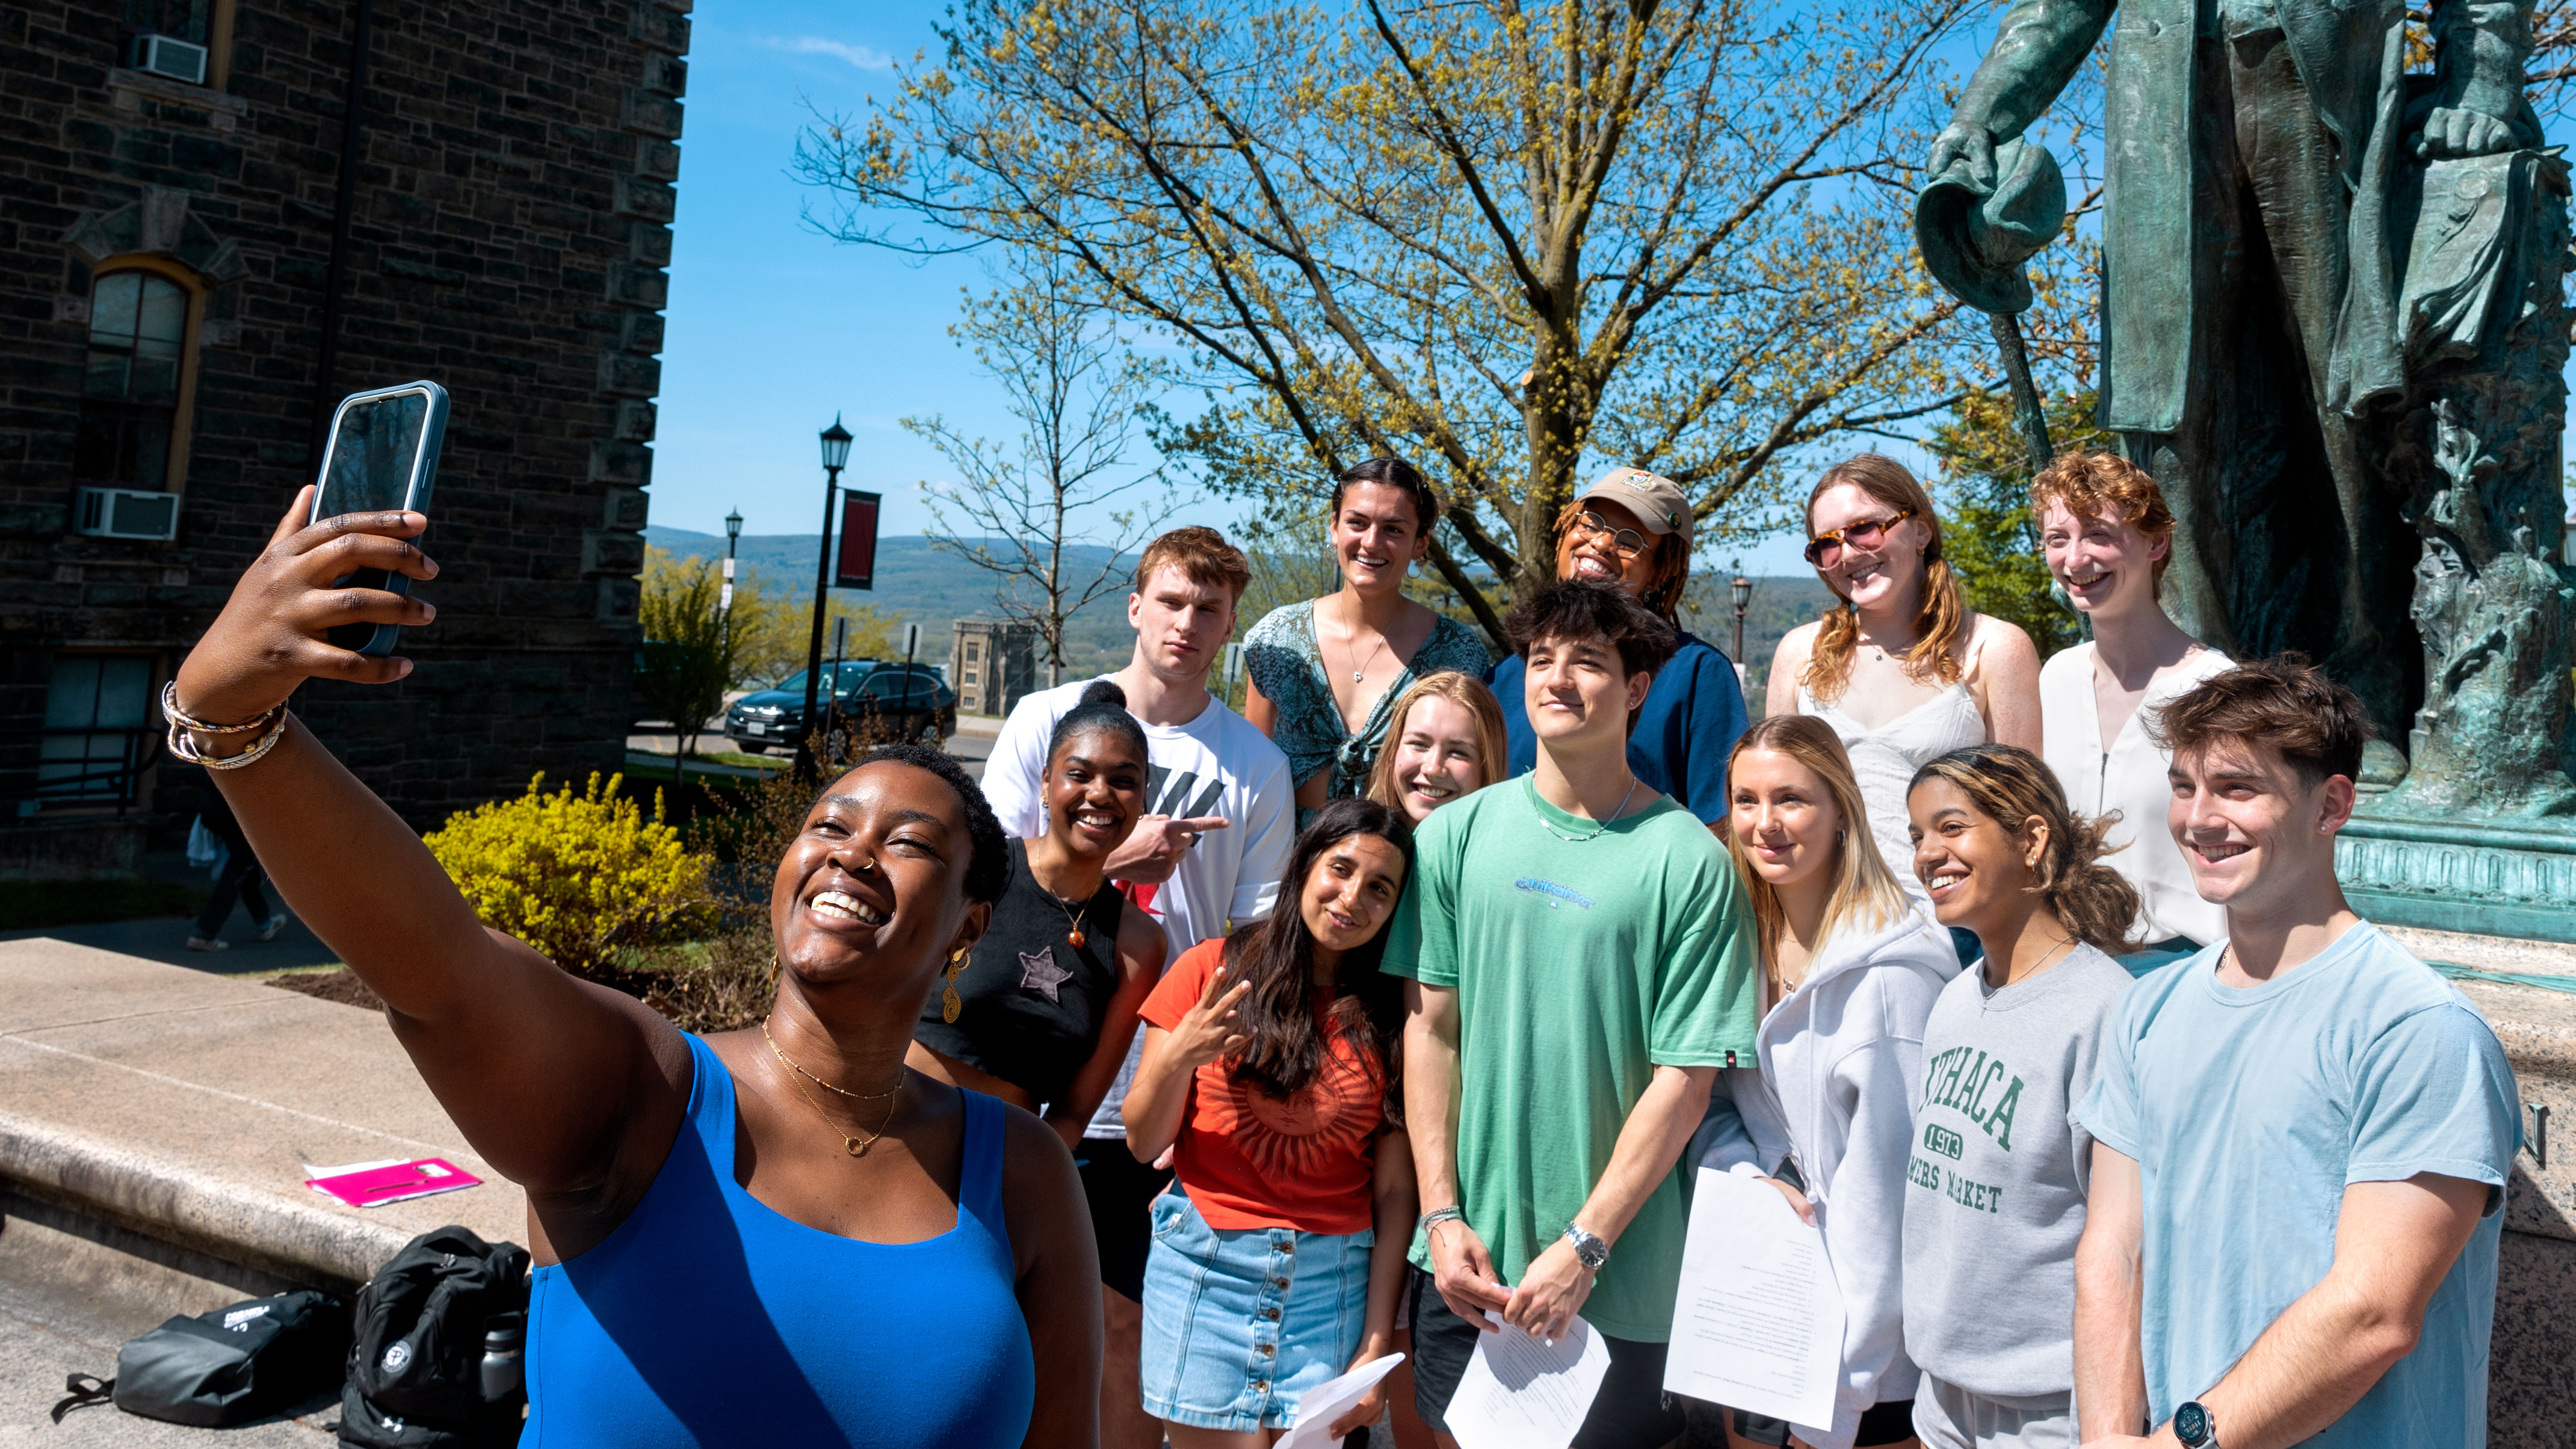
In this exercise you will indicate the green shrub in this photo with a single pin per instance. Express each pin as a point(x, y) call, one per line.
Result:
point(580, 877)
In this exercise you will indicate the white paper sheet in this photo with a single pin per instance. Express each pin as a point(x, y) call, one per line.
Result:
point(1319, 1406)
point(1758, 1324)
point(1519, 1393)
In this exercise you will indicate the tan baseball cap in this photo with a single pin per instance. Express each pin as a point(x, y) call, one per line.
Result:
point(1656, 500)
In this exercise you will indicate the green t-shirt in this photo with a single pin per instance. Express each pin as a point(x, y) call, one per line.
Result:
point(1580, 968)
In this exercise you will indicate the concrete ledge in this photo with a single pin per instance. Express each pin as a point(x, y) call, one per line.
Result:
point(192, 1209)
point(183, 1106)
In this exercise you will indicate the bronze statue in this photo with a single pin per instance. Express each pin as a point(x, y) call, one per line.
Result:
point(2263, 163)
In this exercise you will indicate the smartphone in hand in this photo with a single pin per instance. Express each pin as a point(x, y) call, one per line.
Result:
point(382, 454)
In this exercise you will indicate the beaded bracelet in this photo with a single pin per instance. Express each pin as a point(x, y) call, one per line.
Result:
point(1437, 1216)
point(170, 711)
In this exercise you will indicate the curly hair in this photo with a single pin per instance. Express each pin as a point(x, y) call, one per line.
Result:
point(988, 865)
point(1577, 609)
point(1941, 620)
point(2010, 786)
point(2085, 484)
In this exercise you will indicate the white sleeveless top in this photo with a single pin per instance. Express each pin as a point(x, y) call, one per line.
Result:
point(1884, 761)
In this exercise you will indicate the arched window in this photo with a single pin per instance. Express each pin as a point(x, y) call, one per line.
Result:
point(134, 388)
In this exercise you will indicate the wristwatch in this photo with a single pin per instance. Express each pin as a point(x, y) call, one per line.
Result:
point(1589, 1250)
point(2195, 1426)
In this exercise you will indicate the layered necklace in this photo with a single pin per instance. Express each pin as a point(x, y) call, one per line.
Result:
point(855, 1146)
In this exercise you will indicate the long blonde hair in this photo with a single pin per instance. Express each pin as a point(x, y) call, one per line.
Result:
point(1940, 618)
point(1463, 690)
point(1865, 892)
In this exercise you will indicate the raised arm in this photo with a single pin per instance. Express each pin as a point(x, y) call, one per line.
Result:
point(1650, 1142)
point(552, 1080)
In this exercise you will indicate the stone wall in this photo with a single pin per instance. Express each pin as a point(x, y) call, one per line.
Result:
point(510, 226)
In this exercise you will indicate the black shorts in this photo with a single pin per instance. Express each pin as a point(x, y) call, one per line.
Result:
point(1120, 1192)
point(1631, 1411)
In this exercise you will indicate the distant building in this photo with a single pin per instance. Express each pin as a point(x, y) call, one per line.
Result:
point(188, 282)
point(992, 663)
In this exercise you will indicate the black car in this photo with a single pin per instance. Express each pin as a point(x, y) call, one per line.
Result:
point(876, 699)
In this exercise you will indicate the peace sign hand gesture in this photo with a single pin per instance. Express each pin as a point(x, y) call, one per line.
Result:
point(1207, 1031)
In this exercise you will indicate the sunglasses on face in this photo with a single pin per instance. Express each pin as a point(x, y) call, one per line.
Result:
point(1625, 542)
point(1826, 549)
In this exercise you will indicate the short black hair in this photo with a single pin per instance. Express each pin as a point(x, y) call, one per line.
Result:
point(1578, 609)
point(988, 865)
point(1103, 707)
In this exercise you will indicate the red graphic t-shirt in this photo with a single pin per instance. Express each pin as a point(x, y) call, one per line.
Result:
point(1250, 1160)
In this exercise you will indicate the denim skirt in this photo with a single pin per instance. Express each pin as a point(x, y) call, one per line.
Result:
point(1240, 1322)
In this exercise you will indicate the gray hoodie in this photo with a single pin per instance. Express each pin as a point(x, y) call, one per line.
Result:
point(1994, 1199)
point(1834, 1093)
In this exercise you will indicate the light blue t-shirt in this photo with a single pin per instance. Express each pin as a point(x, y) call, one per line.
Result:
point(2249, 1111)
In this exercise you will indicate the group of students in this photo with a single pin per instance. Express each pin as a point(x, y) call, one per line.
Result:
point(1482, 1016)
point(1406, 1006)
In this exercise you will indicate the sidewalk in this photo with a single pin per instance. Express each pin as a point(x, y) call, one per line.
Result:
point(183, 1105)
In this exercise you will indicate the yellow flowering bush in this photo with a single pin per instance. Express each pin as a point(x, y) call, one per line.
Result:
point(579, 877)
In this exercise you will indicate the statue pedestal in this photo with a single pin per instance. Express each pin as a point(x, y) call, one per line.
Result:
point(2489, 877)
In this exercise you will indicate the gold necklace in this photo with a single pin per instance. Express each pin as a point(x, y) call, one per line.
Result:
point(856, 1147)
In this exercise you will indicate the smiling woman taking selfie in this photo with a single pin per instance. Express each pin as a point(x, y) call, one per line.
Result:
point(1900, 666)
point(772, 1236)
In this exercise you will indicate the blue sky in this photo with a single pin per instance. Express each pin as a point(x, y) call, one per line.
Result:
point(774, 327)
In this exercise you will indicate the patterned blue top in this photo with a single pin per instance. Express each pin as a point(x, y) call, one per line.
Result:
point(1287, 666)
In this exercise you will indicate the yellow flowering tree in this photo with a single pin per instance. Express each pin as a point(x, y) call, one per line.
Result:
point(578, 876)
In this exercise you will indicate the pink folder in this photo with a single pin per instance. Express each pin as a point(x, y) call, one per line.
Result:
point(375, 1186)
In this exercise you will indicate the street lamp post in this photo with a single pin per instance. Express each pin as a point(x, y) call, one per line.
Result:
point(724, 598)
point(836, 454)
point(1742, 588)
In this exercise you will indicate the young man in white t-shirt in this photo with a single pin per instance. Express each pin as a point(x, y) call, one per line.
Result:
point(1223, 819)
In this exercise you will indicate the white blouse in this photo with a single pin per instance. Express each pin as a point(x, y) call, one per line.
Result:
point(2128, 776)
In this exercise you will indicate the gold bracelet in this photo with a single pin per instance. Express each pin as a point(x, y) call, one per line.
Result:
point(184, 748)
point(178, 717)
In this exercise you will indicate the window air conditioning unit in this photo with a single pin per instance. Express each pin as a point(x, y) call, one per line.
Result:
point(128, 513)
point(168, 55)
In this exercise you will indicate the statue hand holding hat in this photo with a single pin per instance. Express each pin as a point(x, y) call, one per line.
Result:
point(1989, 210)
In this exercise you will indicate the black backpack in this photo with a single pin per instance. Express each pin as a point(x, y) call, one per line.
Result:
point(415, 1378)
point(232, 1365)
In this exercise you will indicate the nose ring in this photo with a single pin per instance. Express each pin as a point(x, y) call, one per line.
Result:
point(868, 866)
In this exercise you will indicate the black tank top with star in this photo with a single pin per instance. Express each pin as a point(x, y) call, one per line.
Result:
point(1030, 1003)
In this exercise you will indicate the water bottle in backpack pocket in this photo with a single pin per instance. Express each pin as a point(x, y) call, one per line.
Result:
point(420, 1358)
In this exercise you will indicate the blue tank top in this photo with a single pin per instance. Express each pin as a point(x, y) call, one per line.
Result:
point(707, 1318)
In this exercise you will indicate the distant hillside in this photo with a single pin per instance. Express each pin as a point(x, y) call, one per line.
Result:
point(921, 584)
point(924, 585)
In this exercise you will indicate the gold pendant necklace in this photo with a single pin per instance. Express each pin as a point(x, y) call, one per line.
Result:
point(856, 1147)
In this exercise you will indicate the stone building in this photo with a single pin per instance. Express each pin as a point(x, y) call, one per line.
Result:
point(190, 279)
point(992, 663)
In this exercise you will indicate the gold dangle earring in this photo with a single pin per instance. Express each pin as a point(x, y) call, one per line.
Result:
point(949, 1004)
